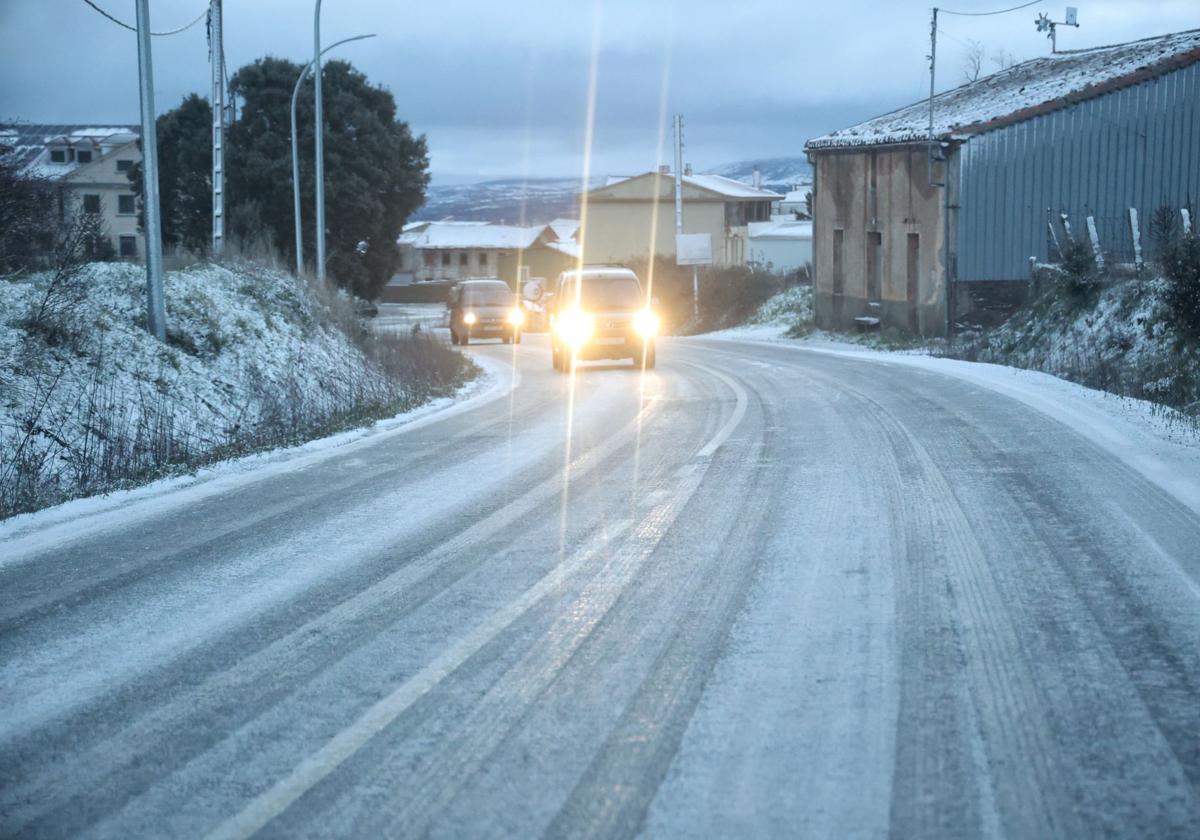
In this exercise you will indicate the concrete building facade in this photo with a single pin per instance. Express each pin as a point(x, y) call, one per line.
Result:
point(90, 167)
point(928, 237)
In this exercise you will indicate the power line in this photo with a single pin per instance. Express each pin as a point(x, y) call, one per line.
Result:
point(134, 28)
point(986, 14)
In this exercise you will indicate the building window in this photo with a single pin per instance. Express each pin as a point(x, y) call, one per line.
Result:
point(446, 259)
point(430, 259)
point(91, 203)
point(127, 246)
point(125, 205)
point(483, 260)
point(464, 259)
point(874, 264)
point(914, 266)
point(124, 165)
point(838, 278)
point(83, 156)
point(58, 155)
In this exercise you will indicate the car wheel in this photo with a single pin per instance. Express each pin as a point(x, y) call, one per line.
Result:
point(516, 338)
point(465, 338)
point(453, 336)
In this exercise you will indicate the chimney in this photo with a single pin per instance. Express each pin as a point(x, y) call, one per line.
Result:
point(757, 179)
point(687, 169)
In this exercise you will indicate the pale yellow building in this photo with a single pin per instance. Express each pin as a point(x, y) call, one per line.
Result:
point(634, 218)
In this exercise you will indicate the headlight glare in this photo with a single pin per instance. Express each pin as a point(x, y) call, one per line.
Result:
point(516, 317)
point(469, 318)
point(575, 327)
point(646, 323)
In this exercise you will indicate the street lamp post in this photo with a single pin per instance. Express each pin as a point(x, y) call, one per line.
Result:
point(296, 154)
point(320, 142)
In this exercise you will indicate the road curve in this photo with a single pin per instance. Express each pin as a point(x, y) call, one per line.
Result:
point(757, 592)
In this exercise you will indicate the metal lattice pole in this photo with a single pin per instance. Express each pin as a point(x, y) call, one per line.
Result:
point(156, 317)
point(217, 47)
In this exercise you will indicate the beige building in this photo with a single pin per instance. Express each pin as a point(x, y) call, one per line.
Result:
point(90, 165)
point(450, 251)
point(633, 218)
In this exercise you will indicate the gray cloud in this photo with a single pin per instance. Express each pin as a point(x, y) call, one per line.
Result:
point(501, 88)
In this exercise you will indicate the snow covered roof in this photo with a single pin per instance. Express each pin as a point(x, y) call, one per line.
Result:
point(777, 229)
point(28, 144)
point(565, 228)
point(1023, 91)
point(451, 235)
point(565, 246)
point(718, 184)
point(796, 197)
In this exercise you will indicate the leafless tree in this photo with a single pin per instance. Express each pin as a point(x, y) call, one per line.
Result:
point(1003, 59)
point(973, 61)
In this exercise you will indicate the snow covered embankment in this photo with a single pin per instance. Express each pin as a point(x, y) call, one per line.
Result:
point(254, 359)
point(1123, 341)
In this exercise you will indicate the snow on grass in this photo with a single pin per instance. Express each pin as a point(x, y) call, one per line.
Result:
point(32, 534)
point(1121, 341)
point(253, 359)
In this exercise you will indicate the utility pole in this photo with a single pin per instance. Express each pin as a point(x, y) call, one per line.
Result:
point(320, 143)
point(156, 316)
point(932, 73)
point(679, 209)
point(216, 46)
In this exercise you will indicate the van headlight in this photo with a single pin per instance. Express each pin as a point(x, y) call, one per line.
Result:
point(575, 327)
point(646, 323)
point(516, 317)
point(469, 318)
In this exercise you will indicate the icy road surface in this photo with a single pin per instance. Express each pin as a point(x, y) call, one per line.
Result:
point(760, 592)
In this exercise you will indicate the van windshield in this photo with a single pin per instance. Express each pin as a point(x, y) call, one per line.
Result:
point(604, 293)
point(489, 295)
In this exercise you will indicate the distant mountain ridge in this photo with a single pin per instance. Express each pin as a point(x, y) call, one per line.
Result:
point(541, 200)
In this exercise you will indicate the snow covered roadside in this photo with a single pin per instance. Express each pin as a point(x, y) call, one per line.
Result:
point(1140, 433)
point(33, 533)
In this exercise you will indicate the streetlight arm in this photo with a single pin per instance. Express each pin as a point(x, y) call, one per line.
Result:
point(295, 154)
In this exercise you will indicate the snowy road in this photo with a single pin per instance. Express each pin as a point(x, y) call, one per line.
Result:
point(761, 592)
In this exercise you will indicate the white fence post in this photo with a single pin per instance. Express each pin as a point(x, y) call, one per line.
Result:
point(1091, 226)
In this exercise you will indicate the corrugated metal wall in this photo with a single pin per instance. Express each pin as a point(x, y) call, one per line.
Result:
point(1137, 147)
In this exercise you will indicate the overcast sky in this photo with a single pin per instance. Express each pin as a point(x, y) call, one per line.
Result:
point(500, 88)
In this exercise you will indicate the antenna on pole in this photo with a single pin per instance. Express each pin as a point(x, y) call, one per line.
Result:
point(1044, 24)
point(216, 49)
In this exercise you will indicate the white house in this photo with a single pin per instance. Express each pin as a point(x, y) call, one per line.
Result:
point(783, 244)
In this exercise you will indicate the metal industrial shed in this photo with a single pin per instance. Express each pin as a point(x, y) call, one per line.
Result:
point(1090, 132)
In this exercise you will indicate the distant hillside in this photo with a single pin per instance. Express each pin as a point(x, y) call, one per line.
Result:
point(541, 200)
point(777, 173)
point(510, 200)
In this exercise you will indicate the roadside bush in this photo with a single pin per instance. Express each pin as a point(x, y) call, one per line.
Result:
point(729, 295)
point(1080, 274)
point(1180, 264)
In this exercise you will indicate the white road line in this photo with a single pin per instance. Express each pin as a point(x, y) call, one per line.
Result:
point(739, 411)
point(279, 797)
point(276, 799)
